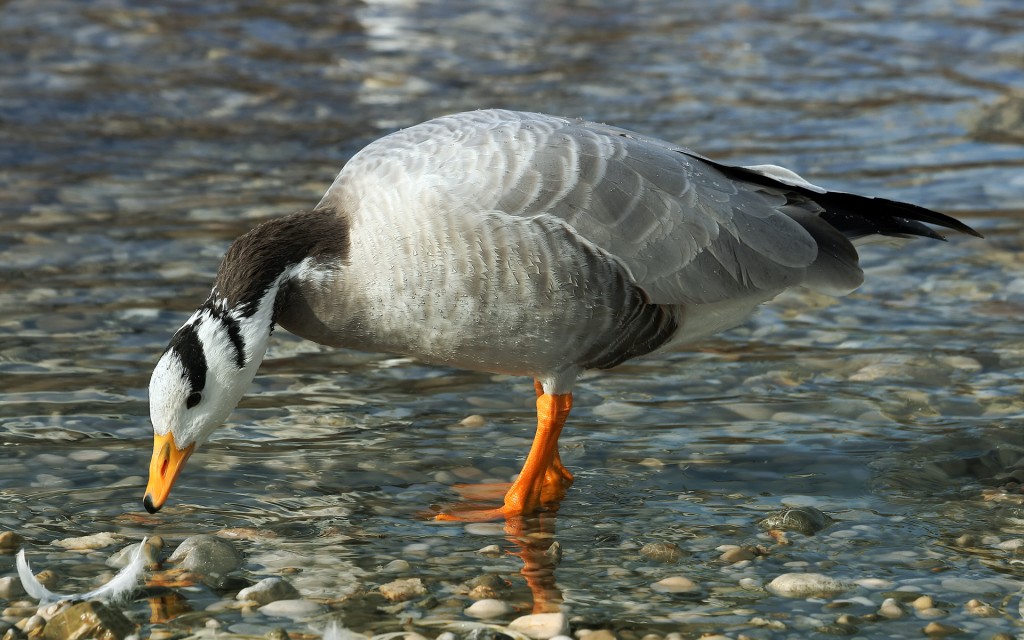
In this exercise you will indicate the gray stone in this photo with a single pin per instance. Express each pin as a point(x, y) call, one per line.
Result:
point(805, 520)
point(269, 590)
point(667, 552)
point(805, 585)
point(208, 557)
point(295, 609)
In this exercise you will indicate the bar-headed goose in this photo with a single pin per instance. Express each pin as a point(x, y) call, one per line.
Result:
point(517, 243)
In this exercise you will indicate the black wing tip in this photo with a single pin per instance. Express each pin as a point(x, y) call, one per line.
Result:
point(918, 213)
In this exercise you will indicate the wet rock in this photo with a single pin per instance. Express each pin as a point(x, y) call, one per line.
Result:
point(396, 566)
point(805, 585)
point(541, 626)
point(207, 556)
point(980, 609)
point(401, 590)
point(490, 550)
point(599, 634)
point(88, 620)
point(295, 609)
point(667, 552)
point(120, 559)
point(939, 629)
point(473, 421)
point(487, 586)
point(891, 608)
point(675, 584)
point(923, 602)
point(488, 608)
point(738, 554)
point(10, 541)
point(10, 587)
point(805, 520)
point(277, 634)
point(269, 590)
point(89, 543)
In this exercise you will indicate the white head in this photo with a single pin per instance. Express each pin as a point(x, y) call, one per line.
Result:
point(213, 357)
point(197, 382)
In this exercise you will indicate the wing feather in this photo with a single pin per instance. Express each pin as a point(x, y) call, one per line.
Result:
point(686, 232)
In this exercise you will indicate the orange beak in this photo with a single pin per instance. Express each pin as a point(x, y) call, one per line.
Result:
point(164, 468)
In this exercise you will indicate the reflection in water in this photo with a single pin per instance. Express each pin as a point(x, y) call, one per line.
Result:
point(534, 536)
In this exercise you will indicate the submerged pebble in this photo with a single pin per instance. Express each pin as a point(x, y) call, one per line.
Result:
point(541, 626)
point(489, 608)
point(400, 590)
point(269, 590)
point(805, 585)
point(207, 556)
point(806, 520)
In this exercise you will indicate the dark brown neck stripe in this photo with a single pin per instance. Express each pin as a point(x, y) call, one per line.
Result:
point(255, 260)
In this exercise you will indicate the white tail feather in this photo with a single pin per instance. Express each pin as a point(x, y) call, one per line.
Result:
point(120, 587)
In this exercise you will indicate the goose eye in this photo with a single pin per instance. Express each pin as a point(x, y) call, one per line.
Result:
point(193, 399)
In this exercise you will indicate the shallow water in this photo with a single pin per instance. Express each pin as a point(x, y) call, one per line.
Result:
point(139, 139)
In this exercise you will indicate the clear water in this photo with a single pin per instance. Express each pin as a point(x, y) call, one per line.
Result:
point(138, 139)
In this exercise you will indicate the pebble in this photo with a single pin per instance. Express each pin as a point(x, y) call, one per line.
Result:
point(269, 590)
point(490, 550)
point(89, 543)
point(473, 421)
point(10, 541)
point(401, 590)
point(122, 557)
point(294, 609)
point(541, 626)
point(488, 608)
point(923, 602)
point(10, 587)
point(396, 566)
point(940, 629)
point(806, 520)
point(891, 608)
point(981, 609)
point(596, 634)
point(805, 585)
point(207, 556)
point(666, 552)
point(87, 620)
point(675, 584)
point(738, 554)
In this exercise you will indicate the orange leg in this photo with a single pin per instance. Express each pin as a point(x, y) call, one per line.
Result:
point(543, 480)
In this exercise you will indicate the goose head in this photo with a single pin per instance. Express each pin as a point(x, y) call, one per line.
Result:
point(211, 360)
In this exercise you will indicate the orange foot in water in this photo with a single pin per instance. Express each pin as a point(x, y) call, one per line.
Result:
point(541, 484)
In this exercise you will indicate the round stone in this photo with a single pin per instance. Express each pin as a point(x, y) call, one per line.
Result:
point(675, 584)
point(805, 585)
point(488, 608)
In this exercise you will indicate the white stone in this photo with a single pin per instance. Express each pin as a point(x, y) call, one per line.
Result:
point(295, 609)
point(541, 626)
point(675, 584)
point(85, 543)
point(805, 585)
point(269, 590)
point(488, 608)
point(891, 609)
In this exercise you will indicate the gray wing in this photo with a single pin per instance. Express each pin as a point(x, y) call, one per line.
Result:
point(684, 231)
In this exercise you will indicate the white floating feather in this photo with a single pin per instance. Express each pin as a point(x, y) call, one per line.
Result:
point(120, 587)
